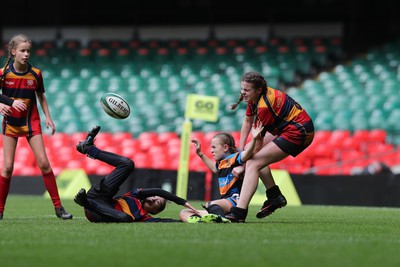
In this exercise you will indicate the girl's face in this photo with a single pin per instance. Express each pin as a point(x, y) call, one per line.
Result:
point(249, 92)
point(21, 53)
point(153, 204)
point(218, 150)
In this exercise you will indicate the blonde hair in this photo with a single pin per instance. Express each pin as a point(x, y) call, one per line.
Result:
point(14, 42)
point(227, 139)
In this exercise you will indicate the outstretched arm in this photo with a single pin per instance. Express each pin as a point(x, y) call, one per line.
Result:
point(209, 162)
point(148, 192)
point(245, 131)
point(255, 133)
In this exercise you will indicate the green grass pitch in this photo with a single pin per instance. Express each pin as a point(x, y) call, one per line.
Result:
point(31, 235)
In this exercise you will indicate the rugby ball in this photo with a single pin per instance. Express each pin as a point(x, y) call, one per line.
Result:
point(115, 106)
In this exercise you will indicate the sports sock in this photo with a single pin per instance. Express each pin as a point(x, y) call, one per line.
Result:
point(50, 183)
point(216, 209)
point(273, 192)
point(93, 152)
point(239, 212)
point(4, 189)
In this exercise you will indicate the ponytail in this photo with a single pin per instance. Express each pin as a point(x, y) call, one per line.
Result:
point(240, 99)
point(4, 70)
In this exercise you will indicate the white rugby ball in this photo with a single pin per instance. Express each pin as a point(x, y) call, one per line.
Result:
point(115, 106)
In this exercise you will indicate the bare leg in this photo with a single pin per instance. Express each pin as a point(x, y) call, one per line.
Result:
point(270, 153)
point(266, 177)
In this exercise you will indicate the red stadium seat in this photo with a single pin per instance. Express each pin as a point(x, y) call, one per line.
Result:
point(74, 138)
point(210, 135)
point(104, 139)
point(377, 135)
point(60, 139)
point(142, 160)
point(164, 137)
point(199, 136)
point(361, 135)
point(322, 136)
point(297, 169)
point(338, 136)
point(378, 149)
point(121, 136)
point(322, 150)
point(147, 140)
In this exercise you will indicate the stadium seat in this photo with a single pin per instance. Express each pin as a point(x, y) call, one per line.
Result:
point(377, 136)
point(324, 121)
point(359, 120)
point(377, 119)
point(342, 119)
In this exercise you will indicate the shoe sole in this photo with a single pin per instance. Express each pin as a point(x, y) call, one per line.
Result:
point(264, 211)
point(212, 218)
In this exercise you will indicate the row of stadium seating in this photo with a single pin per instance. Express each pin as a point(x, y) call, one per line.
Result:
point(209, 68)
point(359, 96)
point(332, 152)
point(363, 94)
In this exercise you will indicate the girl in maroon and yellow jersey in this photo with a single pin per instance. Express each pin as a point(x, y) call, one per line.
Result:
point(282, 117)
point(23, 83)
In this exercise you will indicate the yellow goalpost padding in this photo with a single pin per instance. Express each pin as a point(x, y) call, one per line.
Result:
point(69, 182)
point(285, 183)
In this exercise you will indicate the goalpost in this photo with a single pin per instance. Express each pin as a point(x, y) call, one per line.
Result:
point(199, 107)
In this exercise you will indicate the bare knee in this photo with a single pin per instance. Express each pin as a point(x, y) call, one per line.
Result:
point(253, 165)
point(7, 170)
point(44, 165)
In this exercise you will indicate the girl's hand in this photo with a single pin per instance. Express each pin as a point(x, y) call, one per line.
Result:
point(50, 123)
point(5, 110)
point(238, 170)
point(19, 105)
point(256, 130)
point(197, 145)
point(187, 205)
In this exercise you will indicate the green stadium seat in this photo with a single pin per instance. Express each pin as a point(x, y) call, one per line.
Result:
point(341, 102)
point(391, 87)
point(287, 71)
point(373, 87)
point(358, 102)
point(342, 119)
point(377, 119)
point(393, 121)
point(324, 121)
point(359, 120)
point(391, 104)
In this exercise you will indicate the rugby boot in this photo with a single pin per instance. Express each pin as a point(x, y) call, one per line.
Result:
point(81, 198)
point(83, 146)
point(270, 205)
point(194, 219)
point(213, 218)
point(62, 213)
point(237, 215)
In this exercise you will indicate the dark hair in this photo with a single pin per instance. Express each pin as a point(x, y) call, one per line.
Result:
point(227, 139)
point(254, 78)
point(162, 206)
